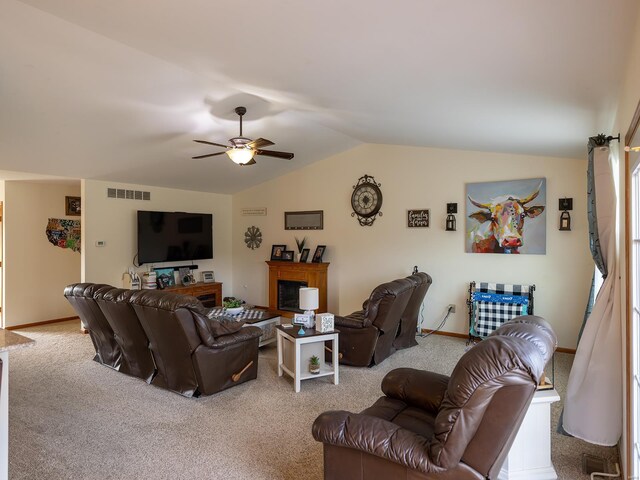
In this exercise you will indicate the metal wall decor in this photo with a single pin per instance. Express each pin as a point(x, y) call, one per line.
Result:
point(564, 205)
point(450, 222)
point(253, 237)
point(366, 200)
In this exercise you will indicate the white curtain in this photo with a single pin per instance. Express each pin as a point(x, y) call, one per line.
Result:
point(593, 403)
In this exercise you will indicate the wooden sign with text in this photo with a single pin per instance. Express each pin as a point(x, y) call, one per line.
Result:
point(418, 218)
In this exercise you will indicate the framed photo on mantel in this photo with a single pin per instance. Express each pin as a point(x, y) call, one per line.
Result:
point(317, 256)
point(277, 251)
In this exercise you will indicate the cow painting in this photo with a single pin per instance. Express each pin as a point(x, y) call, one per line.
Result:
point(497, 225)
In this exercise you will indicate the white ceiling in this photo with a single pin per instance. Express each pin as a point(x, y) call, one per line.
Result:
point(118, 89)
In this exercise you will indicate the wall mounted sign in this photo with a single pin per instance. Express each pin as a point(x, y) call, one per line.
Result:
point(309, 220)
point(418, 218)
point(253, 212)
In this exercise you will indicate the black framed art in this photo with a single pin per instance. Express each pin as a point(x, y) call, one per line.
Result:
point(276, 251)
point(317, 256)
point(287, 256)
point(72, 206)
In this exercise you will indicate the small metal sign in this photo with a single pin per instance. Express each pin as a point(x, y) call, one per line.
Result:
point(418, 218)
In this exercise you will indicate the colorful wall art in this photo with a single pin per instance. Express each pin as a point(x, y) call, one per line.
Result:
point(507, 217)
point(64, 233)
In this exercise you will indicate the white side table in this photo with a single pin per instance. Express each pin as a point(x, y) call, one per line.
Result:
point(530, 454)
point(295, 350)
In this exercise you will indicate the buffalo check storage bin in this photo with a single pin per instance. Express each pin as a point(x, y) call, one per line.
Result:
point(492, 304)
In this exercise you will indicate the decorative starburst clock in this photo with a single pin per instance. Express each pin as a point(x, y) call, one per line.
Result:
point(253, 237)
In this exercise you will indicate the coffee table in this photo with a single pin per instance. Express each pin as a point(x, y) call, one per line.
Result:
point(265, 319)
point(295, 350)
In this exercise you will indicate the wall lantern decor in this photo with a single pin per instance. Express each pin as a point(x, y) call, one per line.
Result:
point(452, 208)
point(565, 204)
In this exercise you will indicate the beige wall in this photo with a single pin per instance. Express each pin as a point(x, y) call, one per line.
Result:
point(114, 221)
point(362, 257)
point(35, 271)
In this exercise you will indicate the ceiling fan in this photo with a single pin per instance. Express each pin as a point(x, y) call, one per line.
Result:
point(243, 149)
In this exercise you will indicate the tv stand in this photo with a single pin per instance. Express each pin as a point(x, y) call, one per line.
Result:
point(210, 294)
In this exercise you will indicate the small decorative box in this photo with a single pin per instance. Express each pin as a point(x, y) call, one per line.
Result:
point(324, 322)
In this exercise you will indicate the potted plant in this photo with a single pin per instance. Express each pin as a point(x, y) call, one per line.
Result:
point(314, 365)
point(232, 306)
point(300, 244)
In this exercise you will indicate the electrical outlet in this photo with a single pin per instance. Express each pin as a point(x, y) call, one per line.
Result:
point(452, 308)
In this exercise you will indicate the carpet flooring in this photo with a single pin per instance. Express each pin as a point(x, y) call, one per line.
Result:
point(71, 418)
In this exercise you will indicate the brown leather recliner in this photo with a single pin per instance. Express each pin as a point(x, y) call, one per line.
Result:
point(82, 297)
point(366, 336)
point(127, 331)
point(409, 320)
point(430, 426)
point(189, 359)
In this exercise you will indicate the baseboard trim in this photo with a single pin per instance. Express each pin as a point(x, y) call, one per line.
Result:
point(45, 322)
point(566, 350)
point(465, 336)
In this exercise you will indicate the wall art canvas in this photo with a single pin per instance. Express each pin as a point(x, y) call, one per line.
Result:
point(507, 217)
point(64, 233)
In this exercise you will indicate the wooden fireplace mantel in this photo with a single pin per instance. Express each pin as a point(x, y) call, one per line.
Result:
point(314, 274)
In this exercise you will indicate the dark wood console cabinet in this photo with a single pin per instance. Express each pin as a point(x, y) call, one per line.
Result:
point(210, 294)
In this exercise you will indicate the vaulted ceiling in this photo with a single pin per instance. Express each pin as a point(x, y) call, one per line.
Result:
point(118, 89)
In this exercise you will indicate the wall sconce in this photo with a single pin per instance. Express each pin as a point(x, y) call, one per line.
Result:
point(451, 218)
point(565, 204)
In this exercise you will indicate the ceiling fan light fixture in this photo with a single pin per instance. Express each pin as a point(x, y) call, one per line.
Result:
point(240, 155)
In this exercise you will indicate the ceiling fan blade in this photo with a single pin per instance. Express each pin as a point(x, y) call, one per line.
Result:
point(259, 143)
point(273, 153)
point(208, 155)
point(211, 143)
point(250, 162)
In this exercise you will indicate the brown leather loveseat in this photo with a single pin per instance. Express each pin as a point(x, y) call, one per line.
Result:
point(431, 426)
point(387, 321)
point(165, 338)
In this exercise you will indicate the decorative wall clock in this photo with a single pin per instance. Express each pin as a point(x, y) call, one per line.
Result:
point(366, 200)
point(253, 237)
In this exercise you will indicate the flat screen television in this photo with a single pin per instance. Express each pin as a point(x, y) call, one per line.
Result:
point(174, 236)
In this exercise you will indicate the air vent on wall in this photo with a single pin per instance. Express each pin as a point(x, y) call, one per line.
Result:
point(128, 194)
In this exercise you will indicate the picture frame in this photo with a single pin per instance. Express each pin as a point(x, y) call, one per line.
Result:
point(165, 277)
point(318, 254)
point(305, 220)
point(72, 206)
point(287, 256)
point(304, 256)
point(276, 251)
point(301, 319)
point(524, 200)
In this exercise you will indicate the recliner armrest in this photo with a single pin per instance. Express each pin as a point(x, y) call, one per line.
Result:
point(242, 335)
point(419, 388)
point(375, 436)
point(354, 320)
